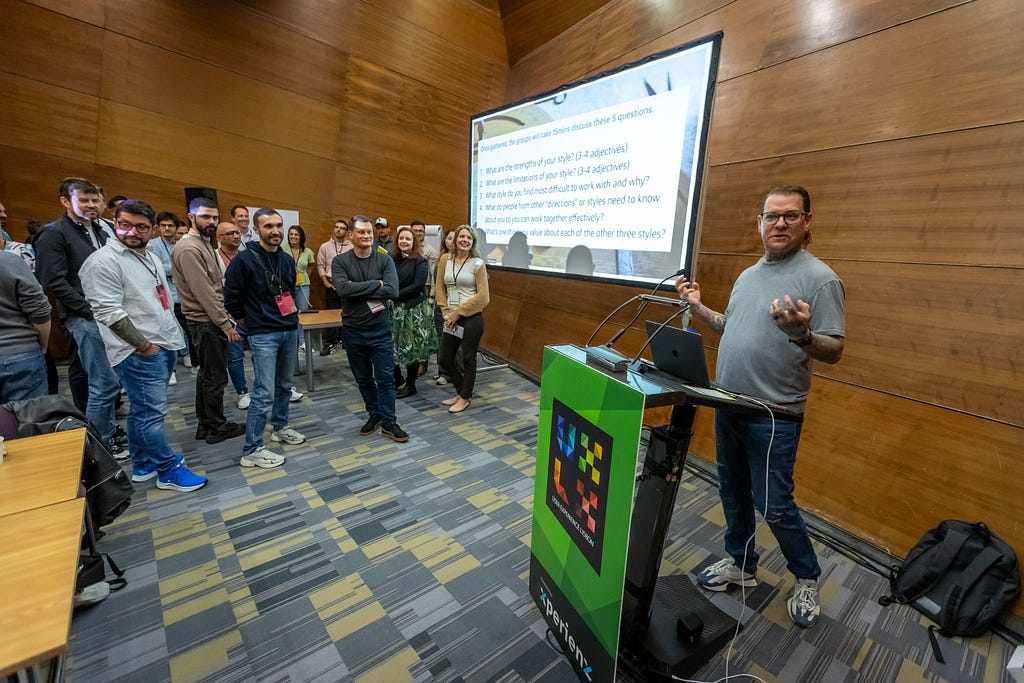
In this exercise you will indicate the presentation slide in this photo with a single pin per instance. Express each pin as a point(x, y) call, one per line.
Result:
point(601, 178)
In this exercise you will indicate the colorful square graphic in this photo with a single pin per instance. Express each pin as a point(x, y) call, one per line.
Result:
point(578, 479)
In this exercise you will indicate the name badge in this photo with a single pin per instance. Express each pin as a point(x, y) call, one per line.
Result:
point(375, 305)
point(454, 298)
point(161, 293)
point(285, 303)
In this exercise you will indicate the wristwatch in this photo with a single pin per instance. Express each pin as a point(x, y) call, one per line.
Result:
point(803, 341)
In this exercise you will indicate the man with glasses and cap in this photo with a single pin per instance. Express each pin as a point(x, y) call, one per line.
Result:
point(784, 312)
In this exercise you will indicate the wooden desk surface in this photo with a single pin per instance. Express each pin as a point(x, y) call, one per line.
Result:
point(37, 582)
point(40, 470)
point(326, 318)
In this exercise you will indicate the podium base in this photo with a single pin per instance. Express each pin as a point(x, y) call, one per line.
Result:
point(659, 652)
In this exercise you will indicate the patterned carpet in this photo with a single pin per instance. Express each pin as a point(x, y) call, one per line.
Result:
point(364, 560)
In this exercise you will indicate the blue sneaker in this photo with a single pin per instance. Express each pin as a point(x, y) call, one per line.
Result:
point(180, 479)
point(147, 472)
point(803, 605)
point(143, 472)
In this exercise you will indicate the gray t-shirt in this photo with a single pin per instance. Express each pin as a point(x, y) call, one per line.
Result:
point(754, 356)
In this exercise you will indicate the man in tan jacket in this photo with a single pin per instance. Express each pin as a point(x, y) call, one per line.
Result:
point(200, 291)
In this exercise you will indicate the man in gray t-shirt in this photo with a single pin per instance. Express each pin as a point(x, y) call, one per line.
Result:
point(784, 312)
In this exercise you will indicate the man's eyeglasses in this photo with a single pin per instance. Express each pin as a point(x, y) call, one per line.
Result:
point(791, 217)
point(140, 229)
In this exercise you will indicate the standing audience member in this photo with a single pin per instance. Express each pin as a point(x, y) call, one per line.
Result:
point(383, 232)
point(431, 254)
point(24, 331)
point(462, 293)
point(447, 247)
point(161, 242)
point(784, 312)
point(338, 244)
point(366, 280)
point(23, 251)
point(200, 290)
point(230, 239)
point(303, 257)
point(61, 249)
point(240, 217)
point(129, 293)
point(412, 323)
point(259, 291)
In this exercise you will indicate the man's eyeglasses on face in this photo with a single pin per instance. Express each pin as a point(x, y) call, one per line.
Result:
point(140, 229)
point(791, 217)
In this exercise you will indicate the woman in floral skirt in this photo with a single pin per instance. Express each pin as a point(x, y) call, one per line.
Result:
point(412, 319)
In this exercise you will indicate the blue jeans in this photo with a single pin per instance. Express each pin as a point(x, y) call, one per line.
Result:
point(741, 442)
point(103, 384)
point(302, 297)
point(371, 355)
point(22, 375)
point(236, 366)
point(145, 380)
point(273, 363)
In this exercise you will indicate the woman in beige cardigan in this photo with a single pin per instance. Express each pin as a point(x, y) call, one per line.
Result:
point(461, 292)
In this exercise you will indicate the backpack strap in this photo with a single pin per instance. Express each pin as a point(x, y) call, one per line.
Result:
point(968, 577)
point(940, 562)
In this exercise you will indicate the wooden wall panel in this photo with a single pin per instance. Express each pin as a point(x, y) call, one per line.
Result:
point(387, 40)
point(325, 22)
point(467, 24)
point(127, 139)
point(399, 199)
point(892, 468)
point(143, 76)
point(90, 11)
point(392, 99)
point(47, 118)
point(231, 36)
point(532, 23)
point(917, 200)
point(30, 36)
point(757, 35)
point(961, 58)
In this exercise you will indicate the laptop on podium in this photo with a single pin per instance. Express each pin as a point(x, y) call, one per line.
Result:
point(679, 353)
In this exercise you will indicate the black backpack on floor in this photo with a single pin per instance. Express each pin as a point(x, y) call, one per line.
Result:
point(960, 575)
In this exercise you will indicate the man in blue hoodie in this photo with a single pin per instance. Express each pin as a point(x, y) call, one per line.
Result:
point(259, 293)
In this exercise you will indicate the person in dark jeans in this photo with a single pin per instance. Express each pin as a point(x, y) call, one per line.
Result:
point(366, 280)
point(201, 294)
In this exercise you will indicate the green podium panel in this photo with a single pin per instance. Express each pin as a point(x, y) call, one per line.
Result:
point(588, 436)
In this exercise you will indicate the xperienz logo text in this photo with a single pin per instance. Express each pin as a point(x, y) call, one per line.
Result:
point(562, 628)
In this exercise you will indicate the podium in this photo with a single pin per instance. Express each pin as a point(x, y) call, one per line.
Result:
point(663, 627)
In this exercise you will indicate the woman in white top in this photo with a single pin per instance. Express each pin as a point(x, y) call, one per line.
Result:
point(462, 294)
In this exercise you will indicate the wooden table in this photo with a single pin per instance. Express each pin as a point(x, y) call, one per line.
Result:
point(40, 470)
point(37, 582)
point(316, 321)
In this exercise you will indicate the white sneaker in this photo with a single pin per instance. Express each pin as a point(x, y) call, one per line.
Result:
point(261, 457)
point(725, 573)
point(173, 380)
point(243, 401)
point(296, 396)
point(186, 361)
point(288, 435)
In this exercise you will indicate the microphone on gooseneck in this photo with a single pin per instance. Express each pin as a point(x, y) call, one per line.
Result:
point(641, 308)
point(681, 271)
